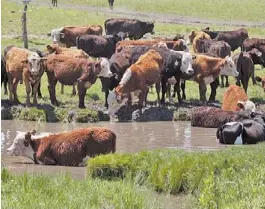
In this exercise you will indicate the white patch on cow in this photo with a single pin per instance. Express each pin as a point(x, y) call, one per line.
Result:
point(34, 60)
point(105, 68)
point(114, 106)
point(126, 77)
point(55, 34)
point(135, 95)
point(87, 85)
point(239, 139)
point(230, 123)
point(186, 62)
point(229, 68)
point(172, 80)
point(84, 161)
point(208, 80)
point(249, 106)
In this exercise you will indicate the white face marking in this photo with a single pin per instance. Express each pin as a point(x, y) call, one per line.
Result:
point(229, 68)
point(105, 68)
point(126, 77)
point(208, 80)
point(34, 63)
point(114, 106)
point(55, 34)
point(186, 62)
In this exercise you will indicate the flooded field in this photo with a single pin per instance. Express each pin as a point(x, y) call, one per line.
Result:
point(131, 137)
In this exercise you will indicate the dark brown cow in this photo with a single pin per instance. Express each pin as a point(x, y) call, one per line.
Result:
point(251, 43)
point(135, 28)
point(4, 78)
point(262, 80)
point(23, 65)
point(245, 67)
point(71, 148)
point(142, 74)
point(68, 70)
point(67, 35)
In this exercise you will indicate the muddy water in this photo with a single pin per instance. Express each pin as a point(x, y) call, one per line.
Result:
point(131, 137)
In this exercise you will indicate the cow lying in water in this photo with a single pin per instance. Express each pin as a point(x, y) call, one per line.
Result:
point(66, 148)
point(245, 132)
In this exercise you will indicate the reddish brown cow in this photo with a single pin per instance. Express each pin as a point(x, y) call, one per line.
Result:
point(207, 69)
point(68, 70)
point(262, 80)
point(179, 45)
point(76, 53)
point(66, 148)
point(67, 35)
point(137, 78)
point(23, 65)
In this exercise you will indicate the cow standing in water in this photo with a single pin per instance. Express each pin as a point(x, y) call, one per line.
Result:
point(54, 3)
point(111, 4)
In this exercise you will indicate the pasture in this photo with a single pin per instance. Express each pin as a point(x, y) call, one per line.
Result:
point(41, 20)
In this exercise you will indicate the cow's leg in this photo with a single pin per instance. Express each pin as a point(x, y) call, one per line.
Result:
point(52, 81)
point(81, 93)
point(142, 97)
point(164, 89)
point(74, 90)
point(15, 83)
point(254, 82)
point(5, 84)
point(177, 88)
point(28, 91)
point(106, 98)
point(214, 86)
point(158, 92)
point(182, 86)
point(56, 2)
point(39, 91)
point(169, 93)
point(226, 81)
point(222, 81)
point(10, 87)
point(202, 89)
point(34, 90)
point(62, 89)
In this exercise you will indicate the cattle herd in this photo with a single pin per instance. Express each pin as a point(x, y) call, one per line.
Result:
point(127, 64)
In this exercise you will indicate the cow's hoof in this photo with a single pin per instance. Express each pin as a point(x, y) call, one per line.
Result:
point(81, 106)
point(254, 83)
point(226, 85)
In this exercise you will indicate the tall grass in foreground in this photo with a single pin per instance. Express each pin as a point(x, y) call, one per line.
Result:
point(30, 192)
point(231, 178)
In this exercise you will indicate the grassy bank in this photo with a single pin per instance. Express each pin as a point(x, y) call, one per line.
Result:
point(232, 178)
point(32, 191)
point(214, 9)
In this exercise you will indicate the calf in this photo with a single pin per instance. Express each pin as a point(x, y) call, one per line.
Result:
point(138, 77)
point(68, 70)
point(66, 36)
point(212, 117)
point(245, 67)
point(135, 28)
point(262, 80)
point(98, 46)
point(195, 36)
point(4, 78)
point(67, 148)
point(23, 64)
point(245, 132)
point(207, 69)
point(76, 53)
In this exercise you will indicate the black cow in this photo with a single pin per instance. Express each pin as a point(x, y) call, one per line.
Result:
point(246, 132)
point(98, 46)
point(111, 2)
point(4, 78)
point(135, 28)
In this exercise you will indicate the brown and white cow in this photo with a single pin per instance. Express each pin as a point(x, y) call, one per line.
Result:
point(207, 69)
point(66, 36)
point(69, 70)
point(76, 53)
point(262, 80)
point(137, 78)
point(23, 65)
point(67, 148)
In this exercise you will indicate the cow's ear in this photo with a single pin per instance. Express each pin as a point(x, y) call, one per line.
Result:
point(192, 33)
point(33, 132)
point(257, 78)
point(193, 56)
point(49, 47)
point(208, 28)
point(25, 61)
point(27, 139)
point(49, 34)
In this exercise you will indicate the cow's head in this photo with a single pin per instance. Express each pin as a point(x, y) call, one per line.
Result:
point(262, 80)
point(186, 62)
point(115, 102)
point(149, 27)
point(228, 67)
point(34, 62)
point(22, 145)
point(102, 68)
point(183, 45)
point(257, 57)
point(57, 35)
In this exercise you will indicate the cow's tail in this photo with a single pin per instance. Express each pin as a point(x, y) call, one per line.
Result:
point(114, 143)
point(105, 25)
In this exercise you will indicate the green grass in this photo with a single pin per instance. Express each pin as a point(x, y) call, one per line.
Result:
point(38, 191)
point(214, 9)
point(231, 178)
